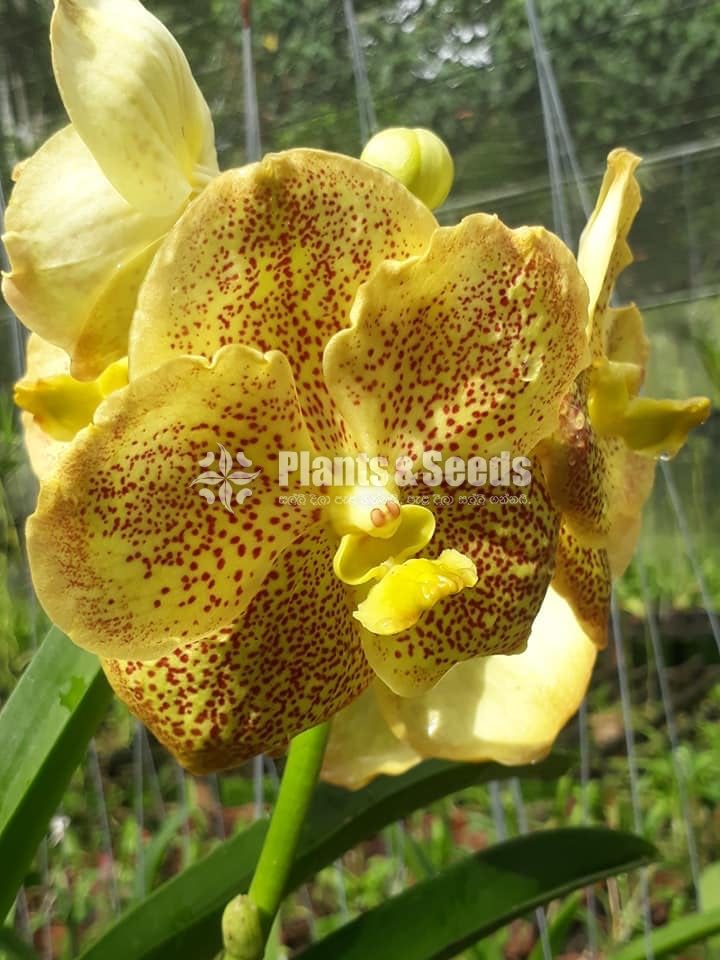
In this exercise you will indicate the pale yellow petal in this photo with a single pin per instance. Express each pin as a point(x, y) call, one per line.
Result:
point(133, 547)
point(42, 359)
point(128, 89)
point(508, 709)
point(77, 252)
point(293, 660)
point(625, 340)
point(604, 252)
point(362, 746)
point(469, 348)
point(271, 256)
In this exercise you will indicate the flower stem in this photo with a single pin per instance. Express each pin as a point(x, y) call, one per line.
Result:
point(270, 878)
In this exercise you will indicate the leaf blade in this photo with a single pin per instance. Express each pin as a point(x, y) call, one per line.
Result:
point(44, 728)
point(668, 940)
point(182, 918)
point(438, 918)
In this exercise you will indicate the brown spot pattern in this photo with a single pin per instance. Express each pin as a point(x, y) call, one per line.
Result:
point(126, 555)
point(471, 346)
point(271, 256)
point(582, 577)
point(293, 660)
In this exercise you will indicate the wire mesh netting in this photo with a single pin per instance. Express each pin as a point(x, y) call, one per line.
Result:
point(529, 96)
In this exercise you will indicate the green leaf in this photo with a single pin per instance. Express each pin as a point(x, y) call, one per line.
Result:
point(709, 894)
point(13, 948)
point(182, 917)
point(441, 917)
point(44, 731)
point(675, 936)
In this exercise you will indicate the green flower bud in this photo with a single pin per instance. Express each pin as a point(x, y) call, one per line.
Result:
point(242, 931)
point(417, 158)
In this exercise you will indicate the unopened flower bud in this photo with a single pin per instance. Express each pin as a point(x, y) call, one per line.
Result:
point(242, 931)
point(417, 158)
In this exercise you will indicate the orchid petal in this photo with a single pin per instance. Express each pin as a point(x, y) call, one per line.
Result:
point(362, 746)
point(470, 347)
point(603, 252)
point(42, 359)
point(126, 556)
point(512, 542)
point(597, 483)
point(128, 89)
point(78, 253)
point(271, 256)
point(582, 578)
point(625, 339)
point(290, 662)
point(508, 709)
point(62, 405)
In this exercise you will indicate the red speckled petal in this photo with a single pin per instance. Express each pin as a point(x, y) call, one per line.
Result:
point(127, 555)
point(513, 547)
point(597, 483)
point(506, 709)
point(271, 256)
point(582, 577)
point(362, 745)
point(292, 661)
point(470, 347)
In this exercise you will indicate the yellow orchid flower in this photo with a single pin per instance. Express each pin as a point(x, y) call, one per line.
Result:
point(600, 464)
point(311, 303)
point(600, 468)
point(90, 207)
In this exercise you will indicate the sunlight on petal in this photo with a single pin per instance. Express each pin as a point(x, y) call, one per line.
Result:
point(129, 92)
point(77, 252)
point(508, 709)
point(362, 746)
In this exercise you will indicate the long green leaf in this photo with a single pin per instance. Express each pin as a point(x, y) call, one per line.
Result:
point(182, 918)
point(668, 940)
point(440, 917)
point(44, 731)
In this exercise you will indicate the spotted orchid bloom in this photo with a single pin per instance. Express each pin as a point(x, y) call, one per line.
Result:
point(599, 467)
point(90, 208)
point(600, 464)
point(311, 303)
